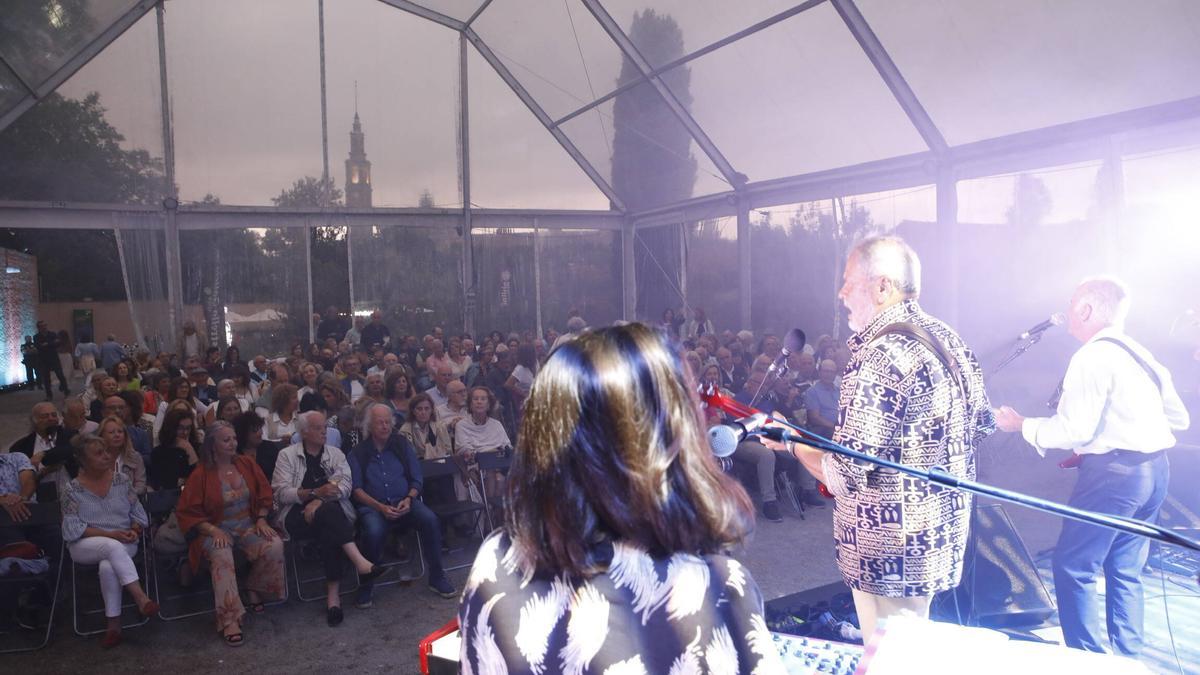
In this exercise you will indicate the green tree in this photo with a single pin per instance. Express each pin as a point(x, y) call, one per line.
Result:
point(330, 265)
point(652, 161)
point(65, 150)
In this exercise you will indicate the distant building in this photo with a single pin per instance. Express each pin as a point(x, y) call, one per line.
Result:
point(358, 169)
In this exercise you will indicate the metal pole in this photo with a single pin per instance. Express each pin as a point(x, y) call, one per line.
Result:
point(308, 232)
point(947, 220)
point(628, 273)
point(745, 319)
point(537, 276)
point(133, 313)
point(1116, 201)
point(324, 111)
point(171, 199)
point(464, 158)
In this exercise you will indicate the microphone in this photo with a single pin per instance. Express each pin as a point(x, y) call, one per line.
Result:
point(1055, 319)
point(792, 342)
point(723, 439)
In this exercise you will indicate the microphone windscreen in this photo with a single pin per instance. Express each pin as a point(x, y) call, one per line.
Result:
point(722, 440)
point(794, 340)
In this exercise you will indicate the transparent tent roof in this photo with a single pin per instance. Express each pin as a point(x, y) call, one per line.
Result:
point(635, 105)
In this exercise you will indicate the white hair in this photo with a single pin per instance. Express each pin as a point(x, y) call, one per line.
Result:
point(304, 420)
point(368, 412)
point(893, 259)
point(1108, 297)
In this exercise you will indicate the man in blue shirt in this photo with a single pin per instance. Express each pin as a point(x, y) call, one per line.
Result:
point(821, 400)
point(387, 481)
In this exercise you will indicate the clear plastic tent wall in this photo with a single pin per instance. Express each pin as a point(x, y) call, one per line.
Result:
point(499, 164)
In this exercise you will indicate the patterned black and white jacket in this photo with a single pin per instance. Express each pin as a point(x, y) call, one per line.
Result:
point(896, 535)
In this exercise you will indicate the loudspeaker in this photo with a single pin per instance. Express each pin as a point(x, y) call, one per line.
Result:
point(1000, 585)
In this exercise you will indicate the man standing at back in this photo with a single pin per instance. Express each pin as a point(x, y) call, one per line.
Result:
point(913, 393)
point(1118, 412)
point(46, 342)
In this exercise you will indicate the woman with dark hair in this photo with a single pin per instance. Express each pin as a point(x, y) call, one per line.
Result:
point(233, 359)
point(619, 523)
point(339, 413)
point(180, 389)
point(248, 426)
point(398, 392)
point(66, 353)
point(669, 323)
point(281, 420)
point(102, 521)
point(226, 408)
point(175, 455)
point(225, 504)
point(243, 387)
point(429, 437)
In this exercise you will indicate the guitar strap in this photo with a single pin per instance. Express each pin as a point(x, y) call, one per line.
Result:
point(922, 335)
point(1141, 362)
point(1053, 402)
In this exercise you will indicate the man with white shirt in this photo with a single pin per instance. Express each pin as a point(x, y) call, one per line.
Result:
point(442, 378)
point(455, 406)
point(1118, 412)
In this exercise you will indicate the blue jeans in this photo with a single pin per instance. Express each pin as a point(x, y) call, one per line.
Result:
point(373, 528)
point(1120, 483)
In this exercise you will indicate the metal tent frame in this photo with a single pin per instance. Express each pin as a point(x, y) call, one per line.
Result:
point(941, 164)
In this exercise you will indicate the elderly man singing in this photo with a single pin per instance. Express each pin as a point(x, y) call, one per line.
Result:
point(912, 392)
point(387, 486)
point(1118, 412)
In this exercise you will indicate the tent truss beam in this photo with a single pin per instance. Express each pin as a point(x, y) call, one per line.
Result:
point(76, 61)
point(887, 69)
point(502, 70)
point(692, 56)
point(630, 51)
point(426, 13)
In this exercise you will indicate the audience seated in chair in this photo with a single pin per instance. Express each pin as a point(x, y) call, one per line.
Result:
point(312, 486)
point(102, 525)
point(387, 488)
point(224, 504)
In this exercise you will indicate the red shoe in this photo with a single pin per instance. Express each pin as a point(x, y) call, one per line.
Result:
point(1071, 462)
point(148, 609)
point(111, 639)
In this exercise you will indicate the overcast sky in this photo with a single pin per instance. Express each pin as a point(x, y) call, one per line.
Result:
point(798, 97)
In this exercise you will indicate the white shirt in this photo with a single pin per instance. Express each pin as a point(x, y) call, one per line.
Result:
point(524, 378)
point(1109, 402)
point(439, 399)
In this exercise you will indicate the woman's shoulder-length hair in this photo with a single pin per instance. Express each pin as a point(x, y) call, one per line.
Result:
point(613, 447)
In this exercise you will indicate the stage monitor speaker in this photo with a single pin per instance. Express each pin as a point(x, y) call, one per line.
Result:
point(1000, 586)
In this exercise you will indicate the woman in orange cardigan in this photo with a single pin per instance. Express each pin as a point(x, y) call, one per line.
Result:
point(225, 504)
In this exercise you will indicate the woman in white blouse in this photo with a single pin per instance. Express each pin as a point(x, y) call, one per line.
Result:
point(479, 432)
point(102, 522)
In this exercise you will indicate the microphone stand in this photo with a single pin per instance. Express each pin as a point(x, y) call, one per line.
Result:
point(777, 372)
point(940, 476)
point(1020, 348)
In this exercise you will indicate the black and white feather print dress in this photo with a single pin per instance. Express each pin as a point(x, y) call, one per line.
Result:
point(681, 615)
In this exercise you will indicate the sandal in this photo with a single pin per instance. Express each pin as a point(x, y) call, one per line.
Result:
point(257, 607)
point(234, 640)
